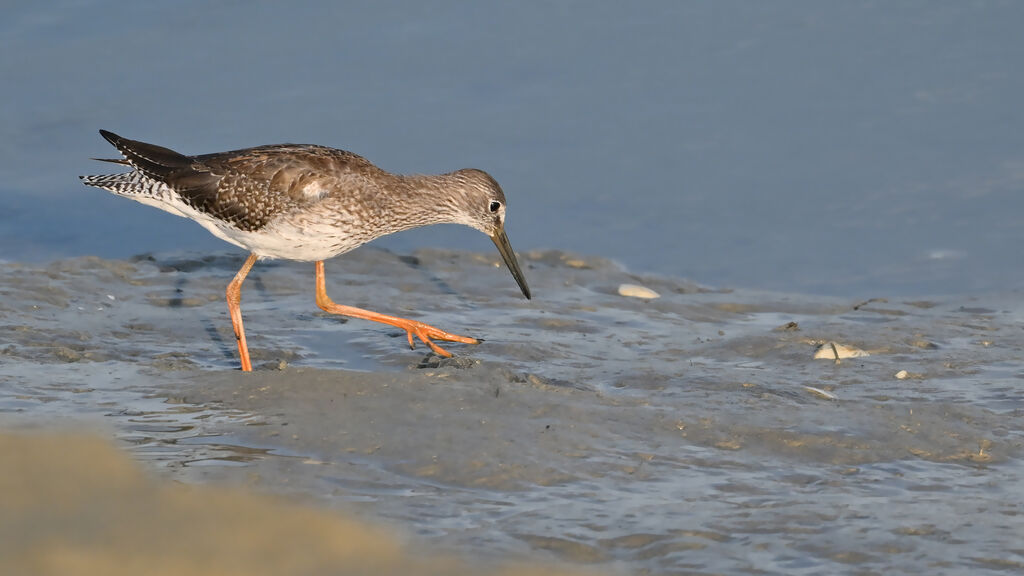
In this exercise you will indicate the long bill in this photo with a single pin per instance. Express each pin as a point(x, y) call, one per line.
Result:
point(505, 249)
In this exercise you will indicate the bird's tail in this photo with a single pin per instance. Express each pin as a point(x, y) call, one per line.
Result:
point(150, 164)
point(154, 161)
point(132, 183)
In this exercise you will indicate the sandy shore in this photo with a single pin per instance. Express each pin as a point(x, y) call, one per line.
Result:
point(77, 506)
point(695, 432)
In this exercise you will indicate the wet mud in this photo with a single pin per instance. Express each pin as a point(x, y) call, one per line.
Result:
point(691, 433)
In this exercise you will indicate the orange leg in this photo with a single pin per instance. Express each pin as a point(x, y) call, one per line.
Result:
point(422, 331)
point(234, 293)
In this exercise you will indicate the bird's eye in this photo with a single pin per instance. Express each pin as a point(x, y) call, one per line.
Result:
point(495, 205)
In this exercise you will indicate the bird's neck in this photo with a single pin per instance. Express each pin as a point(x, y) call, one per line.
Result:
point(402, 202)
point(433, 196)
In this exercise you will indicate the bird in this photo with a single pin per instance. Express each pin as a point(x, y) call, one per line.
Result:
point(307, 203)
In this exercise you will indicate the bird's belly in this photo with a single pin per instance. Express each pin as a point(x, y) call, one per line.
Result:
point(307, 238)
point(286, 241)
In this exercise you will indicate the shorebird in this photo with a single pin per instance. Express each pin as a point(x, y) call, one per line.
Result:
point(308, 203)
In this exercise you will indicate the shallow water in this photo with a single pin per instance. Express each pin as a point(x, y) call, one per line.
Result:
point(673, 435)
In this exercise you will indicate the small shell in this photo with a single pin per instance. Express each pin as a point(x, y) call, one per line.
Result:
point(836, 351)
point(903, 375)
point(636, 291)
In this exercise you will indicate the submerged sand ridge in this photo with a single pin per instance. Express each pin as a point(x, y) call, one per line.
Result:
point(682, 432)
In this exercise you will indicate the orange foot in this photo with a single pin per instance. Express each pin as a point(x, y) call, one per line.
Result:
point(424, 332)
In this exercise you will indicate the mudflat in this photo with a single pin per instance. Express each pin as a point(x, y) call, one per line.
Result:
point(695, 431)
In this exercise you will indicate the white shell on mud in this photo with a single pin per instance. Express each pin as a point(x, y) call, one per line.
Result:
point(637, 291)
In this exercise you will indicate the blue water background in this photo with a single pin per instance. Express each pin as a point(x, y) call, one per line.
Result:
point(862, 149)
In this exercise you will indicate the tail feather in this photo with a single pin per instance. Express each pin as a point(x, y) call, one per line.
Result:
point(157, 173)
point(132, 183)
point(152, 160)
point(112, 160)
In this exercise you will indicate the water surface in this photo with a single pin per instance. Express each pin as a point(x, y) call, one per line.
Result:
point(822, 147)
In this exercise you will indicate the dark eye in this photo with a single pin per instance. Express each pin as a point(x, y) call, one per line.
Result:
point(495, 205)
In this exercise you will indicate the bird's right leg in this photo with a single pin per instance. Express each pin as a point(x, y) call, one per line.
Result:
point(424, 332)
point(234, 293)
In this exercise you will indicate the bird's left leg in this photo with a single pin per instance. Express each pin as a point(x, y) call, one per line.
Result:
point(234, 294)
point(424, 332)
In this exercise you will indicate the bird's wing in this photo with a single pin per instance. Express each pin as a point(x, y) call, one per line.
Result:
point(249, 187)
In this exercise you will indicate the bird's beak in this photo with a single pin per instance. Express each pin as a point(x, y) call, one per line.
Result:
point(501, 241)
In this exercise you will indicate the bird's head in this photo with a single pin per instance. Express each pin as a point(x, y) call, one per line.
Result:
point(481, 205)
